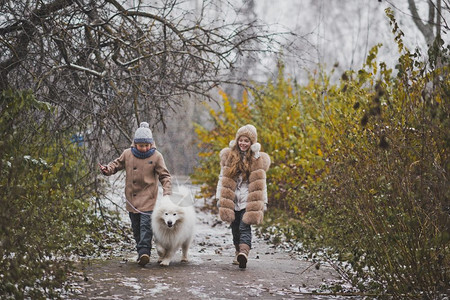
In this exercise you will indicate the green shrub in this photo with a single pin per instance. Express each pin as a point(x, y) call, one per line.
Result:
point(384, 203)
point(45, 205)
point(293, 128)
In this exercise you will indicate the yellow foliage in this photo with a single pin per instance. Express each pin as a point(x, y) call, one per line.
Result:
point(297, 127)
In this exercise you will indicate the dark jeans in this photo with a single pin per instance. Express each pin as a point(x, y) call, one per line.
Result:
point(142, 231)
point(242, 233)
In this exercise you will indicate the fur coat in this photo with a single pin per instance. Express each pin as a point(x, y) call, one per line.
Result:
point(257, 184)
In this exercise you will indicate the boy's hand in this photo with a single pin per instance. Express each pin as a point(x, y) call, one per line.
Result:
point(104, 169)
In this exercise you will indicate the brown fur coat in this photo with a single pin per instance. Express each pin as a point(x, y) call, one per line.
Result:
point(257, 183)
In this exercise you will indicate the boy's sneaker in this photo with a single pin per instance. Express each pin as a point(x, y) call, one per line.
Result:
point(143, 260)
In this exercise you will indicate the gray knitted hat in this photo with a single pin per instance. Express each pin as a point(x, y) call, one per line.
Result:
point(143, 134)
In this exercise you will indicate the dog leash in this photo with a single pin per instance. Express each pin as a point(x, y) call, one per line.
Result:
point(141, 212)
point(182, 198)
point(149, 214)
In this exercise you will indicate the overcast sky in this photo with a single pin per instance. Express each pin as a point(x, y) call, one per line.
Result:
point(342, 31)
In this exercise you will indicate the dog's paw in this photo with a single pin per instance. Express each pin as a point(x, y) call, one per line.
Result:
point(164, 263)
point(184, 260)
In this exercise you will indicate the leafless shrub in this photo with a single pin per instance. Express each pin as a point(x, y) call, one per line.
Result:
point(107, 65)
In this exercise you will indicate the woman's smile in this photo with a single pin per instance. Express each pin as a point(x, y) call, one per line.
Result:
point(244, 143)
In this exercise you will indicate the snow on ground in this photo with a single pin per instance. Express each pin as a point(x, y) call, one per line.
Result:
point(209, 274)
point(183, 193)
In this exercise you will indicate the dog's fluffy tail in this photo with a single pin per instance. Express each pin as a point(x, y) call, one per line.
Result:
point(180, 199)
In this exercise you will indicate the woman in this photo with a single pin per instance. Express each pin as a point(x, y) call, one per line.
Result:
point(242, 189)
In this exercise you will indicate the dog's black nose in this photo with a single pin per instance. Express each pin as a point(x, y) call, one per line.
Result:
point(169, 224)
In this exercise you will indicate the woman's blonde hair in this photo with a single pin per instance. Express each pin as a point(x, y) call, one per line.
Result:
point(238, 163)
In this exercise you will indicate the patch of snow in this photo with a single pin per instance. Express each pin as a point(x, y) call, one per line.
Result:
point(159, 289)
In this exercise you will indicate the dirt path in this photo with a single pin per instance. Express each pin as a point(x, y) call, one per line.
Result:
point(270, 273)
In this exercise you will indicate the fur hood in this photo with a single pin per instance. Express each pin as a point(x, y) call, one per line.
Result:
point(257, 183)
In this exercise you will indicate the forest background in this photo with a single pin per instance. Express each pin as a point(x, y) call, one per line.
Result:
point(350, 98)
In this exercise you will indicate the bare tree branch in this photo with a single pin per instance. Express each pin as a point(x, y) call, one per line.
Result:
point(425, 28)
point(107, 65)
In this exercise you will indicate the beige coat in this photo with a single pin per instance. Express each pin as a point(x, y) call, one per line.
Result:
point(142, 175)
point(254, 213)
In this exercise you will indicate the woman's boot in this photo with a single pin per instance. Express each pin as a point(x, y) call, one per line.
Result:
point(242, 257)
point(236, 253)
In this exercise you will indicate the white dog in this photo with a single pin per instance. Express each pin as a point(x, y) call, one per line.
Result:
point(173, 227)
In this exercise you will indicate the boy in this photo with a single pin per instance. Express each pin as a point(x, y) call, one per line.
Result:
point(144, 166)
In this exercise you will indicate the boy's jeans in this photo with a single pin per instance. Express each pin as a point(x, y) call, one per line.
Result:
point(242, 233)
point(142, 231)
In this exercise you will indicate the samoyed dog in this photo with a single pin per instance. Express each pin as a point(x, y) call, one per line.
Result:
point(173, 227)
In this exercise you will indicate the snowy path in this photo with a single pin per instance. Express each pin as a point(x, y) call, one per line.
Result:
point(270, 273)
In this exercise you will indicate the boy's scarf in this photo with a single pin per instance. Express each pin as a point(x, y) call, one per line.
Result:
point(142, 155)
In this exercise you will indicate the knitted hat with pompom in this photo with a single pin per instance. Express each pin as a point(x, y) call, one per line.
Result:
point(250, 132)
point(143, 134)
